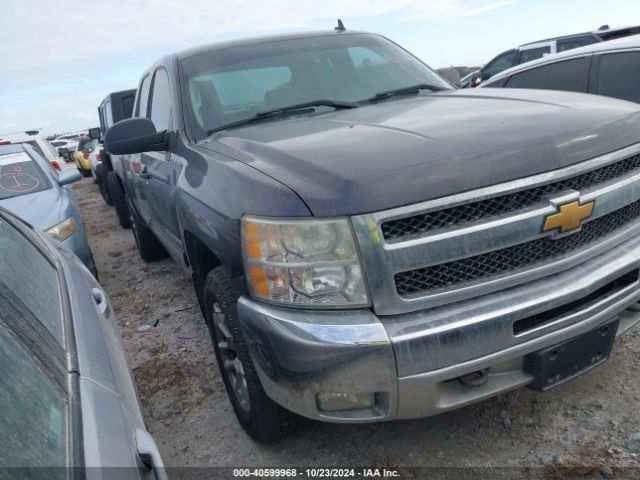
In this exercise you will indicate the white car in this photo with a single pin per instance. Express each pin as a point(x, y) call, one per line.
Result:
point(40, 144)
point(68, 141)
point(95, 159)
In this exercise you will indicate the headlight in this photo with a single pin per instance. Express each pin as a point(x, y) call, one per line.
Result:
point(63, 230)
point(307, 262)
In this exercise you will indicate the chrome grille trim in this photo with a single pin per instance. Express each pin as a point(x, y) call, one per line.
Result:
point(383, 259)
point(400, 228)
point(512, 259)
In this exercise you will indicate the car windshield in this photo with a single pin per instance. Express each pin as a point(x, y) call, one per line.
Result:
point(88, 145)
point(20, 175)
point(228, 85)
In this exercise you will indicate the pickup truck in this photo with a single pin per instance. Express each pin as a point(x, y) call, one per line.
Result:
point(369, 243)
point(114, 107)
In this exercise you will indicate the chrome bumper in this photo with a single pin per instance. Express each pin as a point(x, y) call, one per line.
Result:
point(410, 360)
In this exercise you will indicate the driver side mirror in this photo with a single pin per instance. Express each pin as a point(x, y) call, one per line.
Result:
point(485, 76)
point(63, 152)
point(135, 135)
point(69, 176)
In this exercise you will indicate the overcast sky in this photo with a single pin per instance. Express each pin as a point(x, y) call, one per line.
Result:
point(60, 58)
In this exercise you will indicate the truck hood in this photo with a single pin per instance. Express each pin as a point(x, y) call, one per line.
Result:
point(405, 151)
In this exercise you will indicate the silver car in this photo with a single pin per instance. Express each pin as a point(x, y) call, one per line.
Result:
point(67, 397)
point(32, 189)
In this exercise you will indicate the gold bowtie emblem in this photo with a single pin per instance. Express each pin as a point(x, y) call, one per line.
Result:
point(569, 217)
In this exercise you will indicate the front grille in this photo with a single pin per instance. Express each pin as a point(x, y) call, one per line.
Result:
point(511, 259)
point(422, 223)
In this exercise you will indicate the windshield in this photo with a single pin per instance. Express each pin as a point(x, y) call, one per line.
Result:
point(232, 84)
point(19, 175)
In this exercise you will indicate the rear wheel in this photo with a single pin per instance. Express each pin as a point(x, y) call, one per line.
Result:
point(118, 198)
point(101, 175)
point(262, 418)
point(149, 247)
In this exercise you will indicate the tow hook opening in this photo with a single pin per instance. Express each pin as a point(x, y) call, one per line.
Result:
point(475, 379)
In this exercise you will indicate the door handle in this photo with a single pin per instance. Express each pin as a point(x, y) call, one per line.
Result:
point(144, 174)
point(101, 301)
point(150, 454)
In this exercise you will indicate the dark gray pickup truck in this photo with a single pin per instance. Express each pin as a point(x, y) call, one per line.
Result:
point(368, 243)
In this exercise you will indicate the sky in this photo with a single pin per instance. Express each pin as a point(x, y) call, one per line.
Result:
point(61, 58)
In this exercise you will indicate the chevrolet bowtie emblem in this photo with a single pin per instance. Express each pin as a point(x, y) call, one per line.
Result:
point(569, 217)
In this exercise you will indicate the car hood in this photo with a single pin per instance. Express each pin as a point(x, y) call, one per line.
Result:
point(404, 151)
point(41, 209)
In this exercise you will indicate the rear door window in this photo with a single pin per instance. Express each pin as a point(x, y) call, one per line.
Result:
point(108, 116)
point(575, 42)
point(568, 75)
point(533, 53)
point(618, 75)
point(20, 175)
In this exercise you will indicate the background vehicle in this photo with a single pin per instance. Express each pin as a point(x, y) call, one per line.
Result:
point(82, 156)
point(39, 144)
point(526, 53)
point(115, 107)
point(610, 69)
point(68, 141)
point(66, 393)
point(534, 50)
point(31, 188)
point(357, 235)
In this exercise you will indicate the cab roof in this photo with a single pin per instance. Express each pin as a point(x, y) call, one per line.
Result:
point(190, 52)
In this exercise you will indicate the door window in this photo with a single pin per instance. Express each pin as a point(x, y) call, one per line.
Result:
point(161, 100)
point(533, 53)
point(500, 63)
point(568, 75)
point(575, 42)
point(108, 116)
point(33, 415)
point(28, 275)
point(141, 109)
point(618, 75)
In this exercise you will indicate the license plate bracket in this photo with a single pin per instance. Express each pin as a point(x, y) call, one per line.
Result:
point(558, 363)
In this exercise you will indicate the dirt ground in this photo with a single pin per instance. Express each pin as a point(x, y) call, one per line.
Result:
point(587, 428)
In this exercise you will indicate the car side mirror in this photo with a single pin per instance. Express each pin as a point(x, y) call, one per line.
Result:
point(485, 76)
point(66, 177)
point(63, 152)
point(134, 135)
point(94, 133)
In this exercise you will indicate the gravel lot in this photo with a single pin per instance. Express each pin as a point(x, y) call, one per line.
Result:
point(588, 428)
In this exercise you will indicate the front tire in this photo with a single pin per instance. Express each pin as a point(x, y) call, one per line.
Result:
point(101, 176)
point(149, 247)
point(118, 198)
point(263, 419)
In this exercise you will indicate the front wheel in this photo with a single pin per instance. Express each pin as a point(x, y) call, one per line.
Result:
point(116, 192)
point(101, 177)
point(263, 419)
point(149, 247)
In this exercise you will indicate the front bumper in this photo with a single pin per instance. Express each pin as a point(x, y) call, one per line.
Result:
point(410, 362)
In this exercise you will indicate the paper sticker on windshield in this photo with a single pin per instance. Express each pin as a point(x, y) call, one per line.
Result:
point(18, 157)
point(18, 181)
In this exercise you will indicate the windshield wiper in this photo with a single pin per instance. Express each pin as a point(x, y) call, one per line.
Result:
point(403, 91)
point(277, 112)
